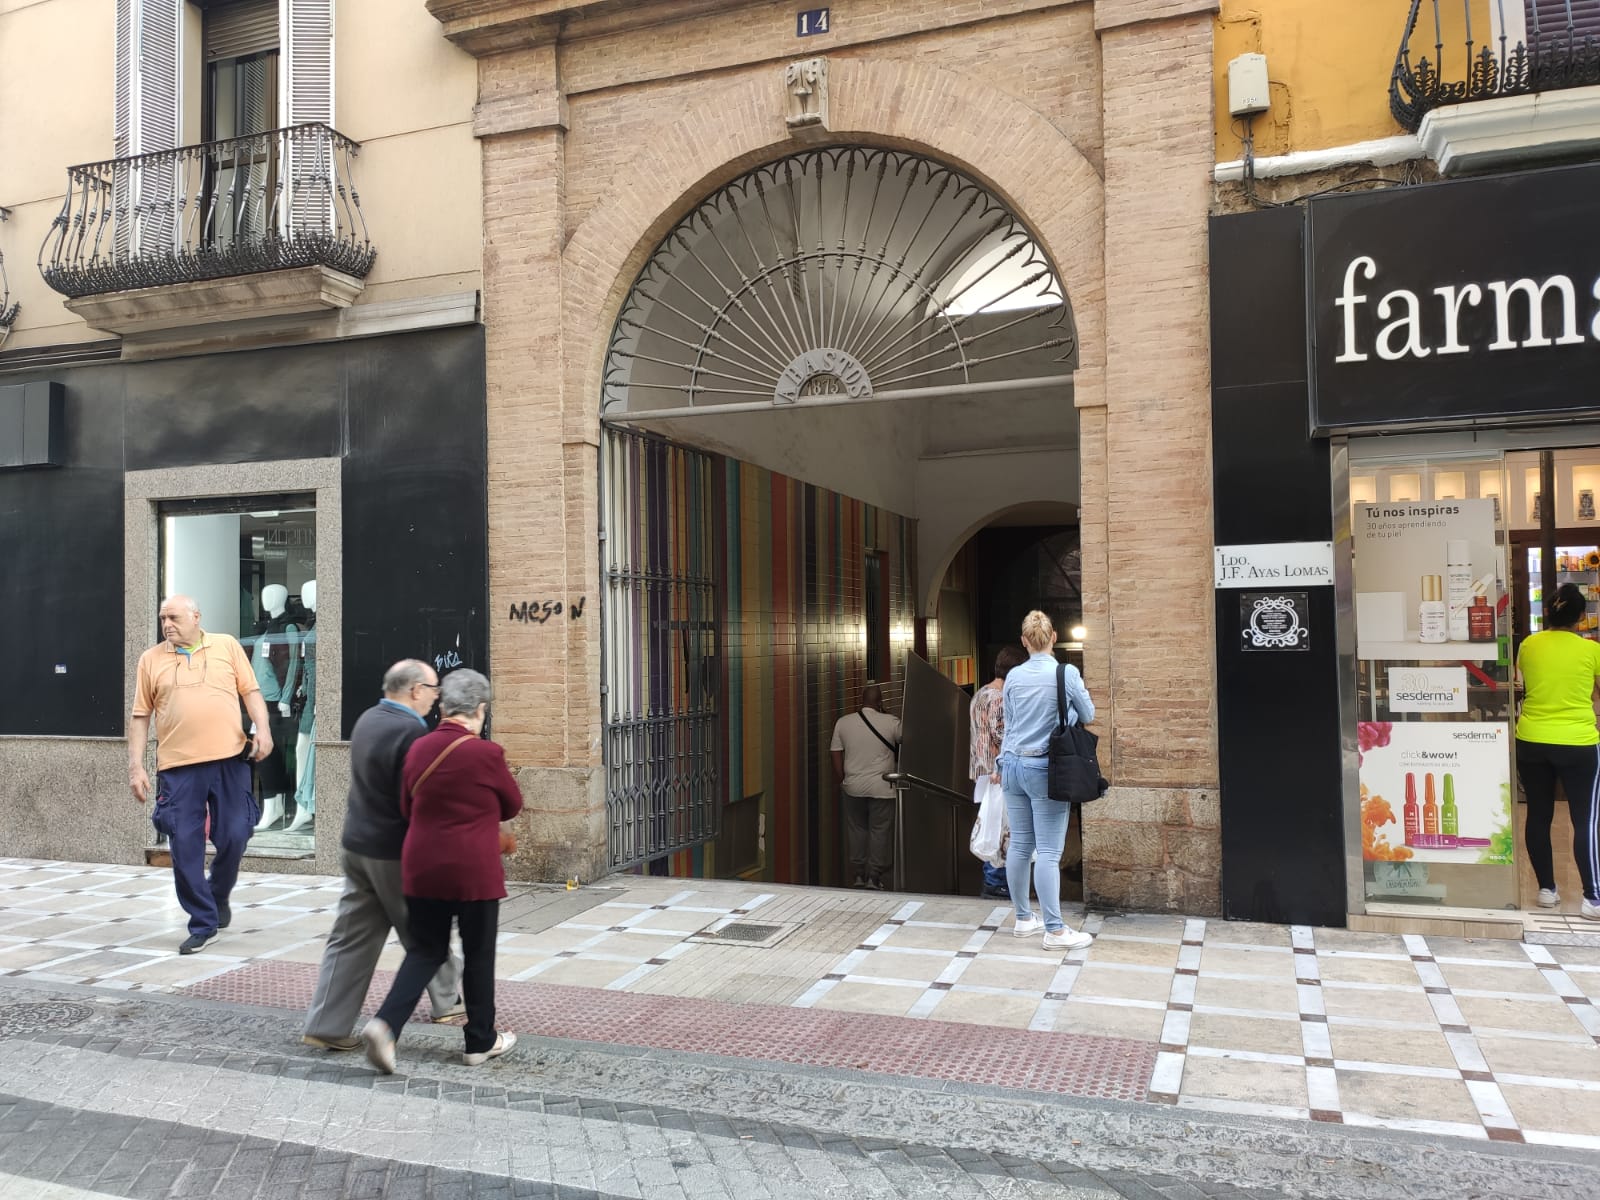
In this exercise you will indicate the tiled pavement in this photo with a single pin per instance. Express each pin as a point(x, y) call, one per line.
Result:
point(1483, 1040)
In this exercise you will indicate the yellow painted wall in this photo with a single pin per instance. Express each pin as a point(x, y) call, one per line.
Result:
point(1329, 62)
point(400, 89)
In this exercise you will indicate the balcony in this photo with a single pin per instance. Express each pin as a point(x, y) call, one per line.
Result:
point(1501, 83)
point(265, 224)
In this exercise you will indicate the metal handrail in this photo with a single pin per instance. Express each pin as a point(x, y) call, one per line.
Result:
point(927, 785)
point(903, 782)
point(1556, 56)
point(262, 202)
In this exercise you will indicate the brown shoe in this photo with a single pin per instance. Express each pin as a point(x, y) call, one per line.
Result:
point(332, 1043)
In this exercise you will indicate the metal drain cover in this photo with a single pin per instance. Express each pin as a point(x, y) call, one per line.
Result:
point(745, 933)
point(31, 1018)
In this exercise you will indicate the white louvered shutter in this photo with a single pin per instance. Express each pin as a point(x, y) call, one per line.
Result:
point(148, 104)
point(158, 121)
point(122, 123)
point(307, 98)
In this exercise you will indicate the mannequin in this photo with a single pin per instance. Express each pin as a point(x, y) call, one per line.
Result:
point(305, 748)
point(277, 666)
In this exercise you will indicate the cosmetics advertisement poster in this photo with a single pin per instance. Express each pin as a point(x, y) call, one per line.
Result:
point(1425, 580)
point(1436, 791)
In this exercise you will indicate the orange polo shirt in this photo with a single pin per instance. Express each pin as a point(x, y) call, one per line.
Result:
point(195, 699)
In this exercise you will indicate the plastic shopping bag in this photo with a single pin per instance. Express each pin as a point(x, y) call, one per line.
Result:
point(989, 830)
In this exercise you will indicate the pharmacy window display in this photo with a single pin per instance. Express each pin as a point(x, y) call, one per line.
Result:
point(1433, 686)
point(251, 567)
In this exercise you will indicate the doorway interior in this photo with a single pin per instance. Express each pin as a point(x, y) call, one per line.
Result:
point(829, 375)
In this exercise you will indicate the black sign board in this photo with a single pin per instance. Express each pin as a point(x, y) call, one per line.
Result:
point(1274, 621)
point(1472, 301)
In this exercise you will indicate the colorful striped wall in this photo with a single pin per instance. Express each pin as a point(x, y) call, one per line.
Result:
point(793, 648)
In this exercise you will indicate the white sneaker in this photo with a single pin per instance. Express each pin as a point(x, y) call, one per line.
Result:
point(379, 1039)
point(1024, 928)
point(1072, 939)
point(1590, 912)
point(1549, 898)
point(503, 1041)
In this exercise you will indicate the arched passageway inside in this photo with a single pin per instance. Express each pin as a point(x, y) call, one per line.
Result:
point(824, 378)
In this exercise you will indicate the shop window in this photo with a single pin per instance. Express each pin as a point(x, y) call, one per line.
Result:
point(250, 564)
point(1434, 615)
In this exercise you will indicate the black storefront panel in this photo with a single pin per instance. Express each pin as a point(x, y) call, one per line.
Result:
point(416, 566)
point(406, 415)
point(1277, 710)
point(61, 595)
point(1457, 302)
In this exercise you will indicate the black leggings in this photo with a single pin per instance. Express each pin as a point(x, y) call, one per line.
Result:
point(1539, 765)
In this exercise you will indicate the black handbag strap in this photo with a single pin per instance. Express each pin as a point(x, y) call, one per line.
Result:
point(887, 743)
point(1061, 696)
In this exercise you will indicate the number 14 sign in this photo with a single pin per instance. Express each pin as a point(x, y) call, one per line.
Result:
point(811, 22)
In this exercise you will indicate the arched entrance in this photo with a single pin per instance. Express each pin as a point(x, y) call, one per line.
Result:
point(825, 352)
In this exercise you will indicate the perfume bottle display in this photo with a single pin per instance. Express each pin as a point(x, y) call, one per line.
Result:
point(1586, 505)
point(1432, 621)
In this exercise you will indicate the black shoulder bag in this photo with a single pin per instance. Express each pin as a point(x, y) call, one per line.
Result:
point(1074, 754)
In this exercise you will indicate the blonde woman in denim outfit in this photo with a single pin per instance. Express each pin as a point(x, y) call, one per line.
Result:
point(1038, 823)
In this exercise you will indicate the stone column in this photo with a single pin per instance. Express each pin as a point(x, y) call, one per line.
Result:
point(541, 488)
point(1154, 841)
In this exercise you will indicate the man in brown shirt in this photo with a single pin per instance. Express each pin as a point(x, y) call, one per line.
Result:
point(191, 683)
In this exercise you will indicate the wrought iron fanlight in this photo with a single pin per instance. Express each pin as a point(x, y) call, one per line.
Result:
point(8, 306)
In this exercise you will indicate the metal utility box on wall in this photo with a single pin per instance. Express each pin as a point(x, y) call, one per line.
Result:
point(1248, 89)
point(32, 424)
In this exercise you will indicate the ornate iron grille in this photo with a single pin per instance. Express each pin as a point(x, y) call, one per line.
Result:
point(1560, 49)
point(262, 202)
point(661, 625)
point(846, 270)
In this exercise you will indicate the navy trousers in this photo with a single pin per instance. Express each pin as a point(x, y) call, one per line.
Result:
point(185, 797)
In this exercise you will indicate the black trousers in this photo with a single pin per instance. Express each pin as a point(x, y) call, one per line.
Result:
point(479, 922)
point(869, 836)
point(1539, 765)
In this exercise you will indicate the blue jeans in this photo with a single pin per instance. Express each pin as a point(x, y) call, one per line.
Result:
point(1038, 823)
point(185, 798)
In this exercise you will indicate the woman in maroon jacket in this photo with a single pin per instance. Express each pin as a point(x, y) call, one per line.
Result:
point(455, 791)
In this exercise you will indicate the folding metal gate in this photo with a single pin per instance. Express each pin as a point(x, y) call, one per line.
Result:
point(660, 647)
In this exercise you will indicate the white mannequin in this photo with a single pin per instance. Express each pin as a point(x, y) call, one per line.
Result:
point(275, 599)
point(305, 760)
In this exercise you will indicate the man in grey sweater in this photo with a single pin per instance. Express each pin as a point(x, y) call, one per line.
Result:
point(374, 831)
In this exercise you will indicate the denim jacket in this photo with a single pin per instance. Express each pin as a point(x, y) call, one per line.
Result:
point(1030, 706)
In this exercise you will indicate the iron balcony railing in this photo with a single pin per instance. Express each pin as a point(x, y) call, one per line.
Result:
point(262, 202)
point(1479, 55)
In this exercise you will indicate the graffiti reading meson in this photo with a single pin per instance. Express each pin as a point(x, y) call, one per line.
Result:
point(1519, 306)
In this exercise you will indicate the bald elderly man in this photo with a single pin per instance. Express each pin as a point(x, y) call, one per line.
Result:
point(192, 683)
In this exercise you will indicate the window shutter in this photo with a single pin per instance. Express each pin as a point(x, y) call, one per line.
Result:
point(307, 94)
point(308, 61)
point(156, 99)
point(1547, 21)
point(243, 27)
point(148, 103)
point(121, 125)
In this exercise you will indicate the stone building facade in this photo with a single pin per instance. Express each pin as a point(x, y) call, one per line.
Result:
point(602, 126)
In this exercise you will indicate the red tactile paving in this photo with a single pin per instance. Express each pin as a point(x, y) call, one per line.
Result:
point(1070, 1063)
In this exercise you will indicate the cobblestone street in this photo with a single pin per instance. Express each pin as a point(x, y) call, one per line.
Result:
point(189, 1078)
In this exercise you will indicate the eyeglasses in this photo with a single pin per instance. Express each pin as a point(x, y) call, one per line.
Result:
point(434, 686)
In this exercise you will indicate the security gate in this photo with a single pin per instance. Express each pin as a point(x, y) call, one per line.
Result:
point(659, 700)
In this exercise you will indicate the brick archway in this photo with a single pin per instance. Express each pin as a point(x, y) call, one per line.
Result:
point(993, 136)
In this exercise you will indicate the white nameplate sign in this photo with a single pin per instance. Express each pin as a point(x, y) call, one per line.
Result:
point(1275, 564)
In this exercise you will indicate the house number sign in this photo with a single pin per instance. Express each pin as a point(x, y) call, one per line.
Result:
point(811, 22)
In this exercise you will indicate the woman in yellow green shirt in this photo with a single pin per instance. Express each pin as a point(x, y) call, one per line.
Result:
point(1557, 739)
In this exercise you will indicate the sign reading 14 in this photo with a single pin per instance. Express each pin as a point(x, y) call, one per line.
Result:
point(811, 22)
